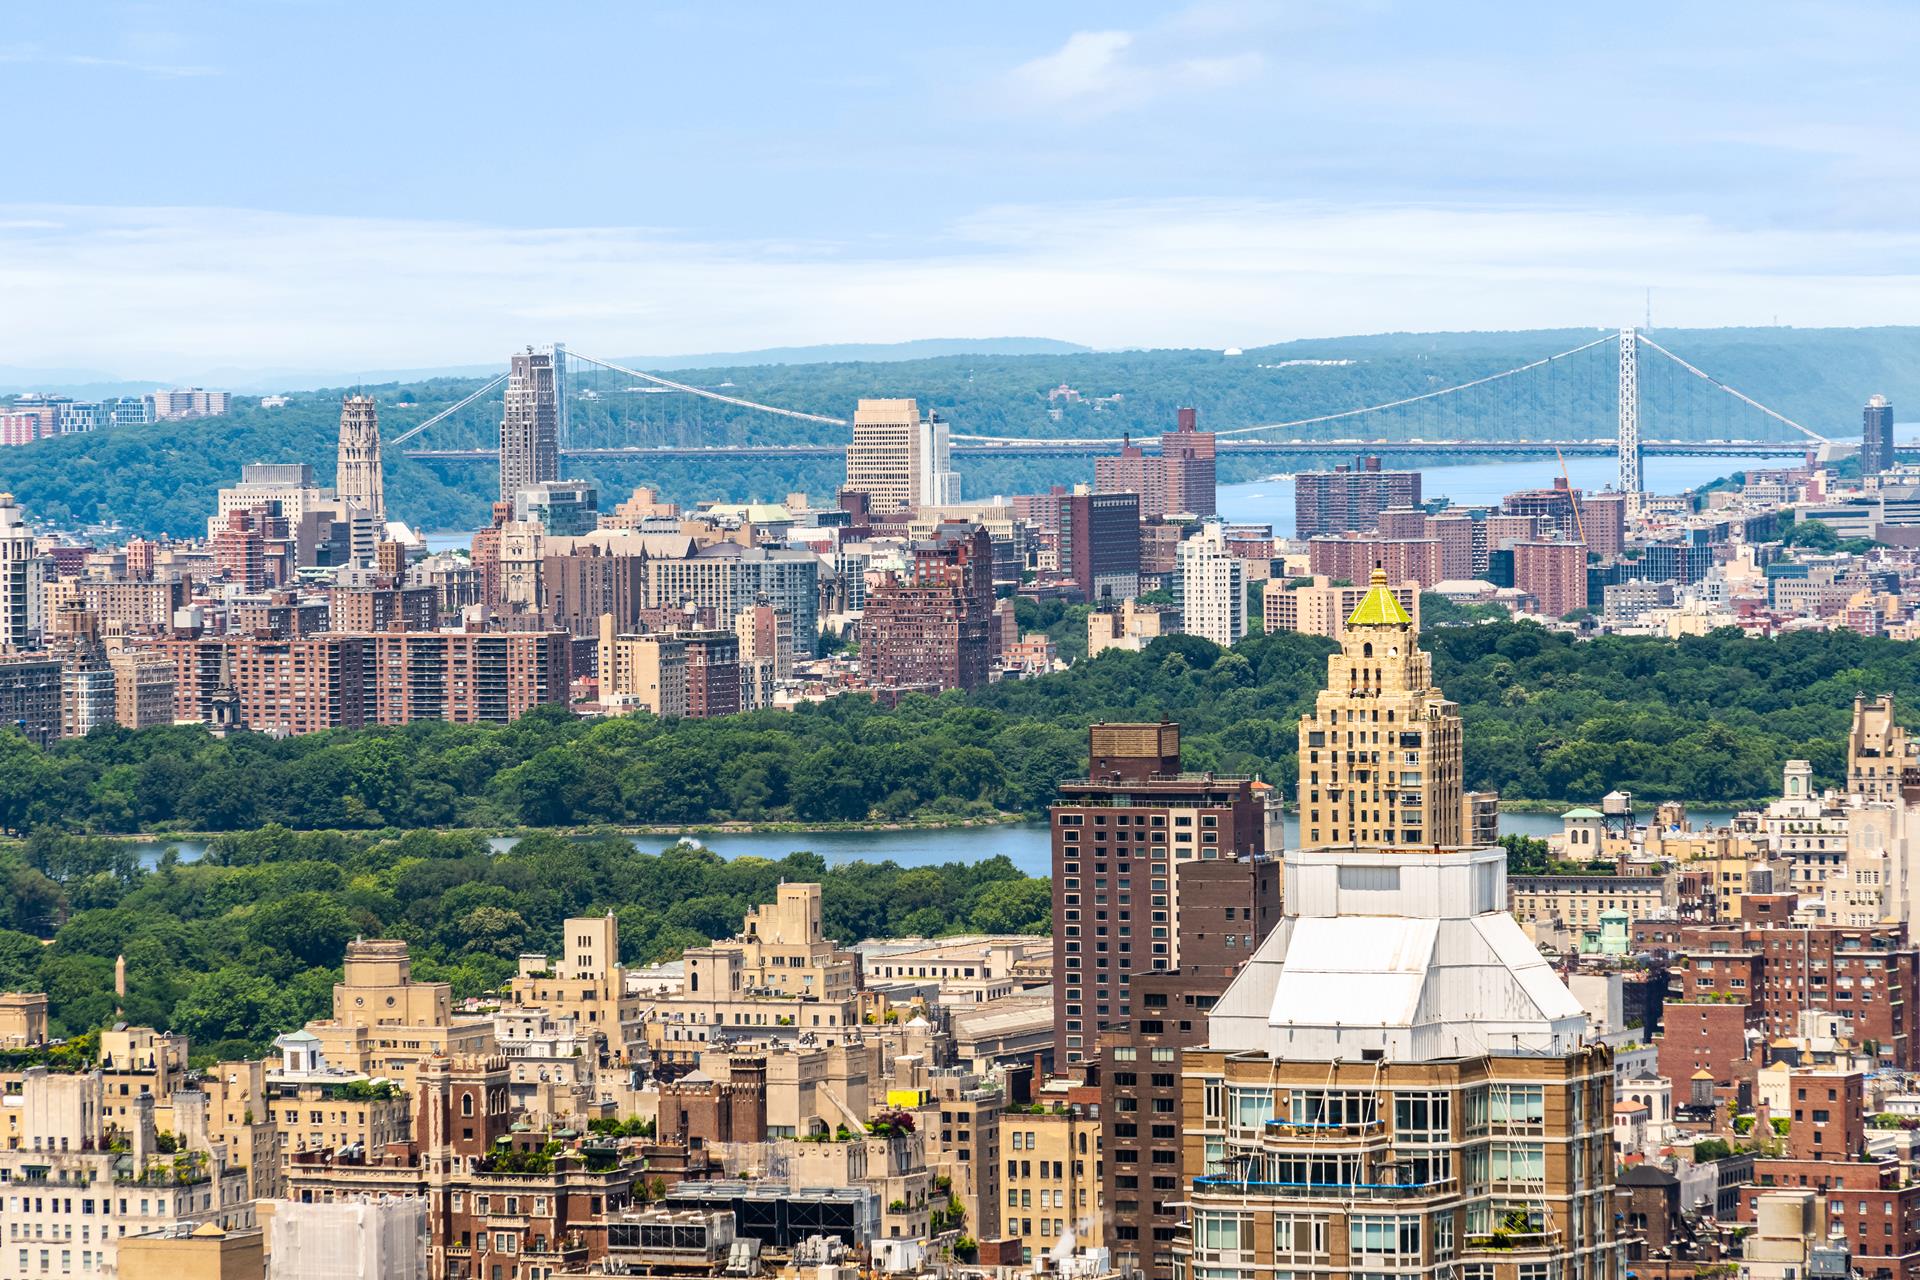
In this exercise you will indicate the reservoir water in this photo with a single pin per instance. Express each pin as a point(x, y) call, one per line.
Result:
point(1026, 845)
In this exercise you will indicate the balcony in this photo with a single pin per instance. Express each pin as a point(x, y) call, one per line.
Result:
point(1226, 1183)
point(1352, 1131)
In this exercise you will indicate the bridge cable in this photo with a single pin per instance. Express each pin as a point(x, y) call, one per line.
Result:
point(1335, 417)
point(711, 395)
point(1738, 395)
point(448, 412)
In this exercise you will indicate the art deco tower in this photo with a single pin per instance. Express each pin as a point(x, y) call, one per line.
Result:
point(1380, 757)
point(530, 425)
point(357, 475)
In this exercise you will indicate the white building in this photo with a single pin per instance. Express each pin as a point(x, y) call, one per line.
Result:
point(378, 1239)
point(1210, 588)
point(22, 575)
point(67, 1200)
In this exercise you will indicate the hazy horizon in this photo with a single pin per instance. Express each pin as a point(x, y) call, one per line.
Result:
point(360, 195)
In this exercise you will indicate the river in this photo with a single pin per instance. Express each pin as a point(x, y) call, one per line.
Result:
point(1485, 483)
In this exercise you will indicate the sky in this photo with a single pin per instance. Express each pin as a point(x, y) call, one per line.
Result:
point(302, 184)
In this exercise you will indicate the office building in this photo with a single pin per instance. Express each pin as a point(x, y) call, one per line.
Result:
point(1380, 757)
point(530, 422)
point(22, 574)
point(1554, 574)
point(357, 477)
point(1876, 436)
point(1316, 607)
point(1210, 587)
point(564, 508)
point(900, 459)
point(727, 578)
point(1120, 836)
point(1350, 498)
point(931, 627)
point(1099, 544)
point(1187, 467)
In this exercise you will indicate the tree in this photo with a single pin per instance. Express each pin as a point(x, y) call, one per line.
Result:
point(1014, 906)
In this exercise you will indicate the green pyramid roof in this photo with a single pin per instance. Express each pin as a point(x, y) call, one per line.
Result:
point(1378, 608)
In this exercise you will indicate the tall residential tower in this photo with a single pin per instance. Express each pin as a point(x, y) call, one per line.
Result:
point(1380, 757)
point(530, 424)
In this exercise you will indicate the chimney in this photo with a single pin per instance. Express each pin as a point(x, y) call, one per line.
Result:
point(143, 1141)
point(190, 1119)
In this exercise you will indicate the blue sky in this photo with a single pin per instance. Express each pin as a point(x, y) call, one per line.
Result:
point(312, 184)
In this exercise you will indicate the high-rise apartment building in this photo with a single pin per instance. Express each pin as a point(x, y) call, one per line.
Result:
point(1349, 499)
point(530, 423)
point(1556, 509)
point(1133, 471)
point(1187, 467)
point(931, 627)
point(1876, 436)
point(1210, 587)
point(1398, 1083)
point(900, 459)
point(1352, 558)
point(357, 476)
point(1120, 839)
point(22, 572)
point(1380, 757)
point(1554, 574)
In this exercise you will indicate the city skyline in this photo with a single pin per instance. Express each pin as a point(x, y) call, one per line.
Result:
point(1142, 175)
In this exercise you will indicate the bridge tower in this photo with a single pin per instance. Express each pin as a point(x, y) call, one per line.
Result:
point(1630, 419)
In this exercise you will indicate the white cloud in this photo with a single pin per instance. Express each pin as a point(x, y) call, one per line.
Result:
point(1097, 72)
point(160, 292)
point(164, 70)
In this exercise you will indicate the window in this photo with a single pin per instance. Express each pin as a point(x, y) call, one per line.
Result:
point(1248, 1108)
point(1389, 1241)
point(1299, 1237)
point(1232, 1231)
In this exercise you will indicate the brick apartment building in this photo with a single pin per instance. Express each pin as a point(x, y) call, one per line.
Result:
point(1350, 498)
point(931, 627)
point(1121, 836)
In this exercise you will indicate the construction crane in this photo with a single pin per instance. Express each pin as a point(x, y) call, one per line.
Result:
point(1575, 501)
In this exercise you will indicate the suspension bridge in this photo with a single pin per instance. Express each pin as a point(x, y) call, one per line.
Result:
point(1621, 394)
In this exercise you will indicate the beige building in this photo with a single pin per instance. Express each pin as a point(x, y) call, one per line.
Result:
point(967, 970)
point(136, 1061)
point(205, 1252)
point(1131, 627)
point(239, 1114)
point(315, 1107)
point(1877, 750)
point(23, 1019)
point(1380, 757)
point(898, 458)
point(386, 1024)
point(1050, 1188)
point(587, 984)
point(1577, 902)
point(1316, 607)
point(784, 951)
point(642, 672)
point(93, 1203)
point(142, 688)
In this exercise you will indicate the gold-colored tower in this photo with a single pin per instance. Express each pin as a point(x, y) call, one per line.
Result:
point(1380, 757)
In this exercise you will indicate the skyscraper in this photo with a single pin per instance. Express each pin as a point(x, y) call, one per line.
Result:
point(1210, 588)
point(1380, 757)
point(357, 475)
point(530, 423)
point(900, 459)
point(1876, 437)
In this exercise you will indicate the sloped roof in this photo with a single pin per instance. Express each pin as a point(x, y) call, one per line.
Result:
point(1378, 608)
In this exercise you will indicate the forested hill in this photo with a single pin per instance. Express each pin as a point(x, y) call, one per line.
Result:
point(162, 478)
